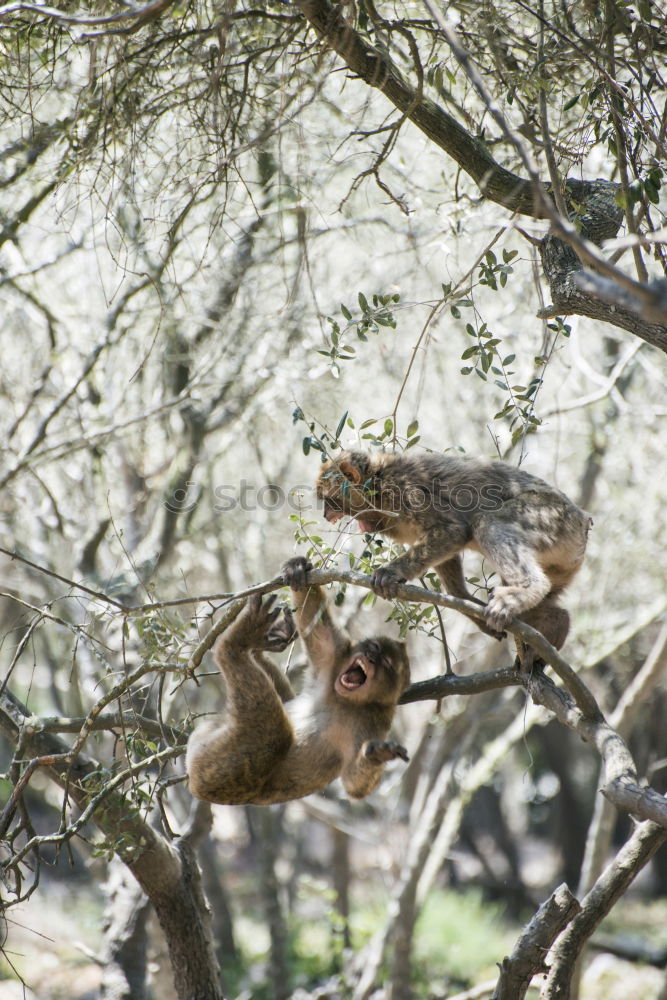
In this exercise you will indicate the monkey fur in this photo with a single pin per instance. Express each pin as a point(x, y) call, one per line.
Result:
point(441, 505)
point(262, 750)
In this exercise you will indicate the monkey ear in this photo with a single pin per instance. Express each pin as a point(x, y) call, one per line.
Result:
point(350, 471)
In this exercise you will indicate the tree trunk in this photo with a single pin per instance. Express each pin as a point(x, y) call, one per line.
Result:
point(266, 822)
point(340, 866)
point(126, 916)
point(167, 873)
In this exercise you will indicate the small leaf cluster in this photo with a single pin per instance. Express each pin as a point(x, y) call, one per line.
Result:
point(493, 273)
point(647, 186)
point(435, 76)
point(489, 362)
point(369, 319)
point(388, 432)
point(324, 442)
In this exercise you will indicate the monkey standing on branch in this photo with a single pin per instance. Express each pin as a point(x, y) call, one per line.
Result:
point(263, 751)
point(441, 505)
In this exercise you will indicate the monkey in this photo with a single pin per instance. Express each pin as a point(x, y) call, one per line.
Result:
point(265, 750)
point(441, 505)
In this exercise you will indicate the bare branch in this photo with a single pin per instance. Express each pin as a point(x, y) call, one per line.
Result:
point(142, 14)
point(608, 889)
point(529, 953)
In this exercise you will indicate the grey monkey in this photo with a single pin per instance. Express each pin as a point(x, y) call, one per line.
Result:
point(441, 505)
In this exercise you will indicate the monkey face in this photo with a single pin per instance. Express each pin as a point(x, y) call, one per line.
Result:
point(345, 487)
point(376, 670)
point(342, 498)
point(332, 510)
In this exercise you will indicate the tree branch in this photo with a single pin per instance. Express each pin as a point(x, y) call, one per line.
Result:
point(529, 953)
point(608, 889)
point(496, 182)
point(167, 873)
point(601, 217)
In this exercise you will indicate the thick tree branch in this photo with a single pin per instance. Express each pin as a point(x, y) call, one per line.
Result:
point(529, 953)
point(375, 68)
point(608, 889)
point(642, 310)
point(167, 873)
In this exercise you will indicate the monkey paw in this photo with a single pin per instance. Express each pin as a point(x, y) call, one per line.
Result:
point(386, 581)
point(281, 634)
point(295, 572)
point(256, 623)
point(499, 612)
point(378, 752)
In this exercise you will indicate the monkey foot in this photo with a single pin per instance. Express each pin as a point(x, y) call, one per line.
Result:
point(385, 582)
point(379, 752)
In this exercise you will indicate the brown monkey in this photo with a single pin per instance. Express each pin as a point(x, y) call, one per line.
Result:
point(442, 504)
point(262, 751)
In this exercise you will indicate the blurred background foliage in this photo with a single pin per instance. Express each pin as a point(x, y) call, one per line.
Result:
point(220, 251)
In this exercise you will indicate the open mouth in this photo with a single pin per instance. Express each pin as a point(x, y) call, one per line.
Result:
point(356, 674)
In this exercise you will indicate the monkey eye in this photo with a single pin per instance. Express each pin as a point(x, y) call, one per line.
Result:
point(373, 648)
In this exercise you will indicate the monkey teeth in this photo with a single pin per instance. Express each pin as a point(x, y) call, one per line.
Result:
point(354, 676)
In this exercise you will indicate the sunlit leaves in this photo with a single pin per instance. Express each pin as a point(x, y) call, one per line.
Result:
point(370, 318)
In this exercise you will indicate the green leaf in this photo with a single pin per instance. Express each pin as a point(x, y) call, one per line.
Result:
point(341, 424)
point(305, 444)
point(345, 311)
point(652, 192)
point(470, 352)
point(388, 425)
point(367, 423)
point(413, 427)
point(363, 303)
point(571, 103)
point(509, 359)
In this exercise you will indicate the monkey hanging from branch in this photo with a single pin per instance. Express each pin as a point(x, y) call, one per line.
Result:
point(270, 746)
point(441, 505)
